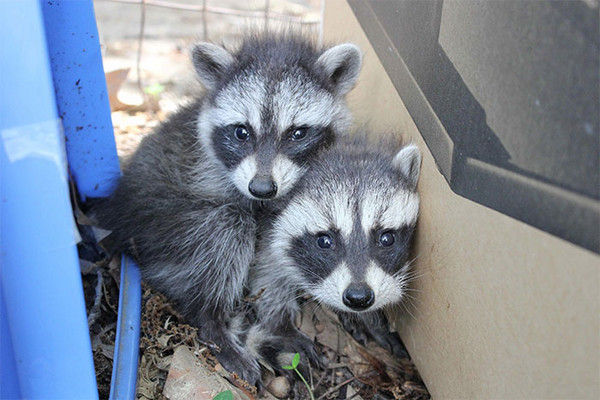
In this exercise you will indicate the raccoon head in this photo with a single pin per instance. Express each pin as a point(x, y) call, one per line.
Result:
point(346, 235)
point(271, 106)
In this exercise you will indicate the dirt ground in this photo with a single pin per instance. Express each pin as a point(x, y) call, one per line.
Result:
point(166, 80)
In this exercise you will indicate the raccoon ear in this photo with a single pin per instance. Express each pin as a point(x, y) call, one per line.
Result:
point(341, 65)
point(210, 61)
point(408, 163)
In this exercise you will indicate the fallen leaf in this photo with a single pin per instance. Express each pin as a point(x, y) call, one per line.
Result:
point(114, 81)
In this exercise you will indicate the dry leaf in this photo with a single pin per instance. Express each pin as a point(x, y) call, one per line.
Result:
point(114, 81)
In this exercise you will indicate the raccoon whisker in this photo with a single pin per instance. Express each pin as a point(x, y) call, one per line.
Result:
point(319, 302)
point(409, 296)
point(409, 264)
point(420, 273)
point(378, 318)
point(415, 258)
point(313, 274)
point(404, 305)
point(409, 289)
point(409, 276)
point(412, 278)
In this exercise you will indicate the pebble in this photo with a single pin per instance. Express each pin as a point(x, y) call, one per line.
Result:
point(279, 387)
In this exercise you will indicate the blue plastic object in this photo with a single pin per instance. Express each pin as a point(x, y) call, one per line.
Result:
point(125, 361)
point(76, 62)
point(50, 66)
point(9, 381)
point(41, 283)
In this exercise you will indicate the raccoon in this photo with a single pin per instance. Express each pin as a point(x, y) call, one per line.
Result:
point(185, 204)
point(343, 237)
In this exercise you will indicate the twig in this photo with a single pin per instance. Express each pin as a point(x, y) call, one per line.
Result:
point(321, 378)
point(267, 4)
point(96, 310)
point(253, 299)
point(336, 387)
point(204, 22)
point(139, 49)
point(353, 396)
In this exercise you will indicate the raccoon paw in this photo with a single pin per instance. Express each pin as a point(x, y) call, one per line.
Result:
point(279, 351)
point(362, 331)
point(391, 342)
point(303, 346)
point(358, 332)
point(240, 362)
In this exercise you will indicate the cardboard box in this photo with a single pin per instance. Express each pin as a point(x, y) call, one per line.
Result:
point(502, 309)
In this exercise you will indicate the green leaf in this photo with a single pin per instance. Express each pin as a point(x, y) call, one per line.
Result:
point(287, 367)
point(154, 89)
point(226, 395)
point(296, 360)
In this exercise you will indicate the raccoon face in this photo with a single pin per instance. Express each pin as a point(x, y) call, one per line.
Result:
point(263, 124)
point(348, 243)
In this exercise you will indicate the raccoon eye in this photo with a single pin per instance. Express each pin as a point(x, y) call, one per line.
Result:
point(324, 241)
point(386, 239)
point(298, 134)
point(241, 133)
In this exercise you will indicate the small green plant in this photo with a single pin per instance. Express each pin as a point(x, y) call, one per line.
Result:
point(294, 366)
point(154, 90)
point(226, 395)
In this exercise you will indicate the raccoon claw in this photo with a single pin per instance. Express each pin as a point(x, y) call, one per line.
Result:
point(358, 334)
point(356, 329)
point(305, 347)
point(391, 342)
point(280, 350)
point(361, 332)
point(244, 366)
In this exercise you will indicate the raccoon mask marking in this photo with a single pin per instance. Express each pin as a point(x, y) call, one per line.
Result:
point(360, 268)
point(183, 206)
point(344, 239)
point(346, 234)
point(265, 119)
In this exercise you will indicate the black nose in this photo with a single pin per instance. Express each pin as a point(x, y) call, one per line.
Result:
point(359, 298)
point(262, 188)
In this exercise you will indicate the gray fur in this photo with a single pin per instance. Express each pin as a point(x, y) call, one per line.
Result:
point(355, 192)
point(182, 206)
point(342, 65)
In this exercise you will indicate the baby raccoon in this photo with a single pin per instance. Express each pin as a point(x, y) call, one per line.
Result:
point(343, 238)
point(184, 206)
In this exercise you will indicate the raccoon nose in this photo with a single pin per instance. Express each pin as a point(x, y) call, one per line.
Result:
point(262, 188)
point(359, 298)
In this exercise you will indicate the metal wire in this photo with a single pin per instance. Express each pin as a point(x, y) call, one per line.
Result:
point(220, 10)
point(204, 8)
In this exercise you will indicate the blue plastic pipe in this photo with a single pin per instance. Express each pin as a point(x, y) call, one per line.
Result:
point(83, 106)
point(82, 100)
point(40, 279)
point(9, 381)
point(76, 63)
point(125, 360)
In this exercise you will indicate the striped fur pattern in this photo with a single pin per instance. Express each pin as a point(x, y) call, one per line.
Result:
point(343, 238)
point(185, 204)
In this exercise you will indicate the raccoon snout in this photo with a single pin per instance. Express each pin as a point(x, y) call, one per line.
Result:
point(358, 298)
point(262, 188)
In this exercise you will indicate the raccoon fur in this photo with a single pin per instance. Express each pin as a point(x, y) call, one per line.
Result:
point(342, 237)
point(185, 204)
